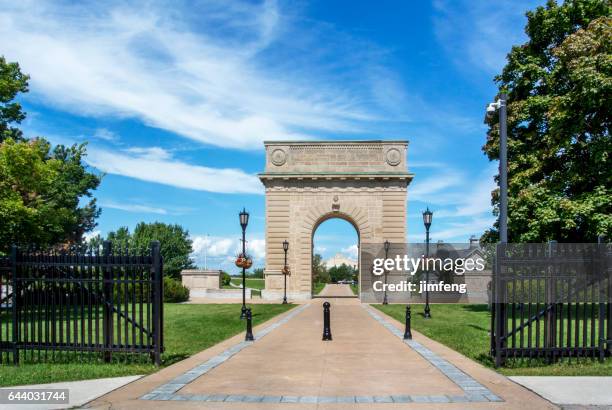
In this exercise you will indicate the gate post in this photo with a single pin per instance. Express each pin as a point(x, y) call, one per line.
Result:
point(326, 322)
point(157, 302)
point(500, 317)
point(603, 255)
point(550, 317)
point(15, 298)
point(107, 312)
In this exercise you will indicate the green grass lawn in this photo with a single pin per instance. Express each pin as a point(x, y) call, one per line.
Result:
point(465, 328)
point(355, 289)
point(252, 283)
point(317, 288)
point(188, 329)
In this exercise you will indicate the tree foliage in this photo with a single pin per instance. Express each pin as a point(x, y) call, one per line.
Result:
point(558, 86)
point(174, 239)
point(342, 272)
point(319, 271)
point(41, 193)
point(44, 191)
point(12, 82)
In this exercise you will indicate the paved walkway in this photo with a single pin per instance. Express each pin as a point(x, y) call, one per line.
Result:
point(80, 392)
point(367, 365)
point(579, 390)
point(333, 290)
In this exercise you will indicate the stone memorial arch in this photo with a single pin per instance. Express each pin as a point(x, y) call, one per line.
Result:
point(309, 182)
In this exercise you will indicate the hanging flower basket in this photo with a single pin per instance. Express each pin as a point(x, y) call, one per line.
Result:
point(244, 261)
point(240, 260)
point(286, 271)
point(248, 262)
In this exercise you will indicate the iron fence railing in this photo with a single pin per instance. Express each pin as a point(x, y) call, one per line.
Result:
point(552, 301)
point(97, 302)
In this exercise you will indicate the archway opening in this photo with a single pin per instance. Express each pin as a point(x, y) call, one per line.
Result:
point(335, 258)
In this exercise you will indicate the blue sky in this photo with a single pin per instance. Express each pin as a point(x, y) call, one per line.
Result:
point(175, 99)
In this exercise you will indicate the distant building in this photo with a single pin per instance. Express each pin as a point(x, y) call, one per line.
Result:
point(339, 259)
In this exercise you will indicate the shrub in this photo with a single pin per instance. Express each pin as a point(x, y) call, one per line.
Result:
point(174, 291)
point(225, 279)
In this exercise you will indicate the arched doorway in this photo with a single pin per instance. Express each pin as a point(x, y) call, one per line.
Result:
point(308, 182)
point(335, 255)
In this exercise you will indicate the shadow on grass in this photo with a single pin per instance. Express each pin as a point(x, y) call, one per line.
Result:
point(479, 328)
point(475, 308)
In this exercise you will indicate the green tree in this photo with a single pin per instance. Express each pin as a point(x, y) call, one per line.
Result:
point(45, 194)
point(319, 271)
point(41, 194)
point(175, 245)
point(257, 273)
point(558, 86)
point(342, 272)
point(174, 241)
point(121, 238)
point(12, 82)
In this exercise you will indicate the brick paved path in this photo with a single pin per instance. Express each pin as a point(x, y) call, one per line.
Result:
point(366, 365)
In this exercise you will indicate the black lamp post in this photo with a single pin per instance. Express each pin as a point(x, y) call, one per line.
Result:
point(244, 221)
point(285, 269)
point(387, 245)
point(427, 216)
point(501, 105)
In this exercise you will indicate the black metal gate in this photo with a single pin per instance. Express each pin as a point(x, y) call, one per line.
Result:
point(98, 301)
point(552, 301)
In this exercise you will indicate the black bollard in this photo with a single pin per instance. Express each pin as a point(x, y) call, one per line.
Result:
point(326, 330)
point(249, 326)
point(407, 332)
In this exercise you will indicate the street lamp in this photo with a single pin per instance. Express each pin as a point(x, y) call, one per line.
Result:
point(500, 105)
point(285, 269)
point(387, 245)
point(427, 217)
point(244, 221)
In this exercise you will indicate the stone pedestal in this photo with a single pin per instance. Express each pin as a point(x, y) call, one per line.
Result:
point(199, 281)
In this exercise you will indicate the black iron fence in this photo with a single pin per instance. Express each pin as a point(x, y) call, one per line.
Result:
point(98, 302)
point(552, 301)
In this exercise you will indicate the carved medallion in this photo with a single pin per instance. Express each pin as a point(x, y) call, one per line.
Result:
point(394, 157)
point(278, 157)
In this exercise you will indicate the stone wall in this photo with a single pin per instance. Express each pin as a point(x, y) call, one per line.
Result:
point(198, 281)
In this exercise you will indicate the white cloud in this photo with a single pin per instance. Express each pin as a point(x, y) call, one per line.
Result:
point(105, 134)
point(89, 235)
point(461, 231)
point(352, 252)
point(220, 251)
point(257, 248)
point(222, 247)
point(156, 165)
point(428, 189)
point(196, 71)
point(138, 208)
point(461, 208)
point(474, 198)
point(152, 153)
